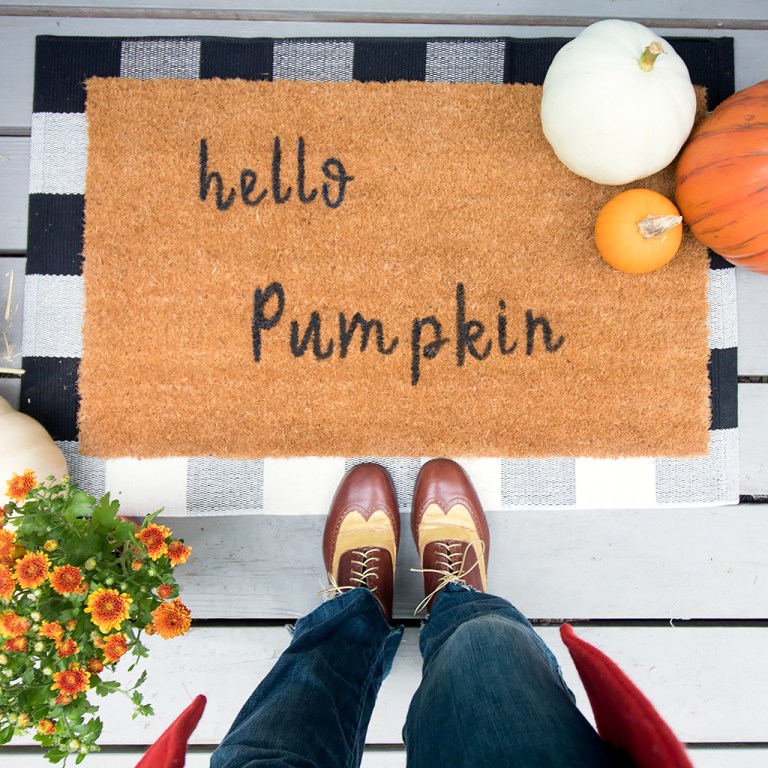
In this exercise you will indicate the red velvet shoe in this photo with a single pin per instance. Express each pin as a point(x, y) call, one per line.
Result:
point(362, 534)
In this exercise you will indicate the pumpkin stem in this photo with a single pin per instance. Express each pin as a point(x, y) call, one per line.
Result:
point(653, 226)
point(649, 55)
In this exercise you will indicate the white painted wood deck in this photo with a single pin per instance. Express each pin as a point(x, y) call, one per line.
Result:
point(679, 598)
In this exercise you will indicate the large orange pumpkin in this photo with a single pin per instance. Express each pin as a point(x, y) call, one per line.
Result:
point(722, 179)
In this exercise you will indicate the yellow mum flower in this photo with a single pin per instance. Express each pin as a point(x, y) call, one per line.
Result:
point(12, 625)
point(68, 648)
point(20, 485)
point(178, 553)
point(52, 630)
point(7, 583)
point(32, 570)
point(66, 579)
point(115, 646)
point(108, 608)
point(7, 546)
point(71, 681)
point(47, 727)
point(153, 537)
point(171, 619)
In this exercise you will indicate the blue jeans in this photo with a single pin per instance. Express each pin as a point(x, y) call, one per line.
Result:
point(491, 693)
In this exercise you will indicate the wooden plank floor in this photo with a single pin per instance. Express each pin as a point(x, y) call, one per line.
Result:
point(678, 597)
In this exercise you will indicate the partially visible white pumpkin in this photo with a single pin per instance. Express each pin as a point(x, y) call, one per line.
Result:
point(24, 444)
point(612, 112)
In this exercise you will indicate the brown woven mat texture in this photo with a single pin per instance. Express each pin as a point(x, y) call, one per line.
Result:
point(403, 269)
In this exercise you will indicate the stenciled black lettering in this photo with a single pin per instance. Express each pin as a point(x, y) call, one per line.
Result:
point(300, 179)
point(261, 320)
point(531, 323)
point(207, 177)
point(247, 185)
point(338, 176)
point(311, 333)
point(347, 331)
point(430, 350)
point(467, 331)
point(277, 159)
point(502, 329)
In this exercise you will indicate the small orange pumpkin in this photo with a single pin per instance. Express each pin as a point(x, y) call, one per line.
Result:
point(722, 179)
point(638, 230)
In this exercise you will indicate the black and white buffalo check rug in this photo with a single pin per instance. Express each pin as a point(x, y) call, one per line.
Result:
point(53, 301)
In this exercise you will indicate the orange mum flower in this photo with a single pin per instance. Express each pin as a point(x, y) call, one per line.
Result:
point(16, 644)
point(164, 591)
point(24, 720)
point(68, 648)
point(115, 647)
point(52, 630)
point(32, 570)
point(153, 537)
point(63, 699)
point(178, 553)
point(47, 727)
point(94, 666)
point(66, 579)
point(71, 681)
point(20, 485)
point(12, 625)
point(172, 619)
point(7, 583)
point(7, 546)
point(108, 608)
point(136, 565)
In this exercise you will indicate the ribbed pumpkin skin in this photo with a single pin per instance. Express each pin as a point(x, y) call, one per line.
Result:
point(722, 179)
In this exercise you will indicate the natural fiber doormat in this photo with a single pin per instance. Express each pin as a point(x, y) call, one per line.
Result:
point(306, 268)
point(213, 485)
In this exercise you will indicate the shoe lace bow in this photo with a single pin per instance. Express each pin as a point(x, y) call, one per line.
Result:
point(451, 566)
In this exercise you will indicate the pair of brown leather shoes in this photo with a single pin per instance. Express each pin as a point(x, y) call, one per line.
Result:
point(362, 532)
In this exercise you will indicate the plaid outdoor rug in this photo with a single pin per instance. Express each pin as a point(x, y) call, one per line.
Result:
point(195, 486)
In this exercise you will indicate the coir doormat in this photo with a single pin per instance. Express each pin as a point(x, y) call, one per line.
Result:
point(381, 307)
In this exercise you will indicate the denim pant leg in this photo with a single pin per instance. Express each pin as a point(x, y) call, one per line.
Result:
point(312, 709)
point(492, 693)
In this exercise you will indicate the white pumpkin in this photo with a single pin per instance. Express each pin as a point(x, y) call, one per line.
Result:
point(24, 444)
point(614, 107)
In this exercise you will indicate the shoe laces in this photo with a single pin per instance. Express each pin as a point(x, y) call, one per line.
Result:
point(365, 563)
point(451, 566)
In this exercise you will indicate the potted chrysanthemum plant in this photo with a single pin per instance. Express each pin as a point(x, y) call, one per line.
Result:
point(79, 587)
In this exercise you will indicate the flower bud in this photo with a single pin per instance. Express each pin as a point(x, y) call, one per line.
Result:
point(47, 671)
point(3, 659)
point(90, 564)
point(50, 545)
point(109, 581)
point(35, 616)
point(23, 720)
point(74, 744)
point(39, 646)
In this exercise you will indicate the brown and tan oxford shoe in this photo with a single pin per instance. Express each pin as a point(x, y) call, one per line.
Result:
point(450, 529)
point(362, 534)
